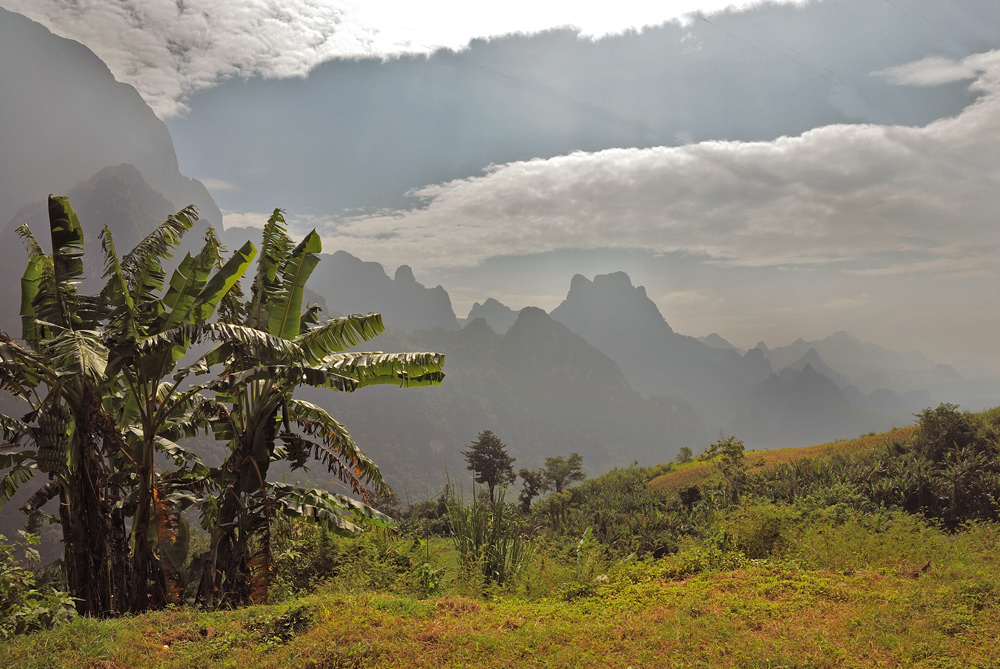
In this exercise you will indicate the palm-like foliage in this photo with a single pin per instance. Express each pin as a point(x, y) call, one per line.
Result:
point(94, 395)
point(277, 348)
point(104, 392)
point(66, 433)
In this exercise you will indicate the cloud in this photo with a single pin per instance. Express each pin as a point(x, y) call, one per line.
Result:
point(243, 219)
point(931, 71)
point(859, 195)
point(171, 49)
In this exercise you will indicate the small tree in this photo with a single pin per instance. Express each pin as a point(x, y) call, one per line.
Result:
point(685, 455)
point(561, 472)
point(732, 465)
point(489, 462)
point(534, 485)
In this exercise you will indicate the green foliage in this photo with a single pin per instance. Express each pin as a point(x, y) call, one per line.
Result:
point(26, 604)
point(281, 629)
point(489, 462)
point(950, 471)
point(684, 455)
point(731, 464)
point(624, 514)
point(490, 537)
point(944, 430)
point(561, 472)
point(534, 484)
point(101, 379)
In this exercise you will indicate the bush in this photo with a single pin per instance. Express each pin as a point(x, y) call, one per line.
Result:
point(26, 605)
point(625, 514)
point(763, 530)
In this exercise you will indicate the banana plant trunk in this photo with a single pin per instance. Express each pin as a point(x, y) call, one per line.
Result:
point(94, 536)
point(146, 590)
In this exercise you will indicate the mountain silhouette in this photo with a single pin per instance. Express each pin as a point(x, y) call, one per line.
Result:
point(798, 408)
point(499, 316)
point(117, 197)
point(620, 320)
point(351, 285)
point(813, 359)
point(65, 118)
point(543, 389)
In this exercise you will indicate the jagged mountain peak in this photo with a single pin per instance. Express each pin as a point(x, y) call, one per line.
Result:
point(612, 295)
point(716, 341)
point(537, 346)
point(499, 316)
point(811, 359)
point(404, 274)
point(352, 285)
point(68, 117)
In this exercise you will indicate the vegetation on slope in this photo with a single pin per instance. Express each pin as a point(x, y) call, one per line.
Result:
point(828, 572)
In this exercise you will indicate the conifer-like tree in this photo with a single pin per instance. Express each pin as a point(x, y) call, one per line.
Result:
point(489, 462)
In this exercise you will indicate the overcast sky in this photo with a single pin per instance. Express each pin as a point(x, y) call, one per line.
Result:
point(770, 173)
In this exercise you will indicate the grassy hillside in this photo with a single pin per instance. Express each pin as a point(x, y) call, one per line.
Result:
point(700, 472)
point(837, 570)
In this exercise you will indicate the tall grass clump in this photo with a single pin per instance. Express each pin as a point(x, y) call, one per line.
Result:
point(490, 537)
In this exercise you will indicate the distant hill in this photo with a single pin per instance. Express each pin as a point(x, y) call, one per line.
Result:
point(865, 365)
point(351, 285)
point(544, 390)
point(716, 341)
point(620, 320)
point(800, 407)
point(813, 359)
point(65, 117)
point(699, 473)
point(118, 197)
point(498, 315)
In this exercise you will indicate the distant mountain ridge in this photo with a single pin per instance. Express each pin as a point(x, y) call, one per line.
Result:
point(543, 389)
point(799, 408)
point(351, 285)
point(498, 315)
point(620, 319)
point(118, 197)
point(863, 364)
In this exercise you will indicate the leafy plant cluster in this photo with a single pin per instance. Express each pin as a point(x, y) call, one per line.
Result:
point(27, 603)
point(112, 387)
point(949, 471)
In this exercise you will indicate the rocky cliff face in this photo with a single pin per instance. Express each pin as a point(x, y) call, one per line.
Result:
point(64, 117)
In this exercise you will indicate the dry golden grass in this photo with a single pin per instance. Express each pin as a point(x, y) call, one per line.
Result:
point(699, 472)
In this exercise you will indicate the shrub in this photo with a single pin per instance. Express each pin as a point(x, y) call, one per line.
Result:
point(490, 538)
point(25, 604)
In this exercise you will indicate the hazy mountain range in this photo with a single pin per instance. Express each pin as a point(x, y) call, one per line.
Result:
point(603, 374)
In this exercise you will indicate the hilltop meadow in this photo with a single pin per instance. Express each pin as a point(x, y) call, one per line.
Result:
point(876, 551)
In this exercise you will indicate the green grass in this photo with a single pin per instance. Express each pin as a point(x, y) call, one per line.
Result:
point(850, 593)
point(816, 583)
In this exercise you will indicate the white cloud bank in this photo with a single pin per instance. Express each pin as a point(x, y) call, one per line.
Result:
point(876, 199)
point(170, 49)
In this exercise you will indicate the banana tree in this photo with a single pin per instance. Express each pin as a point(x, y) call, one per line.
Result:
point(66, 432)
point(263, 421)
point(152, 396)
point(97, 396)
